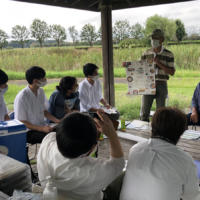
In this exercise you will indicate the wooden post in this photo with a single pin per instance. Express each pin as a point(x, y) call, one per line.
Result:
point(107, 52)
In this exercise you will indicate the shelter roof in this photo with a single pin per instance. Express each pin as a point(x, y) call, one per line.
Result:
point(95, 5)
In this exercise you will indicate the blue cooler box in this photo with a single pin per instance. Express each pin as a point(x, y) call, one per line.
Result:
point(13, 139)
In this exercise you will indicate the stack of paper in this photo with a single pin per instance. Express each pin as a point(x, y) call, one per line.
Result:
point(191, 135)
point(110, 110)
point(137, 124)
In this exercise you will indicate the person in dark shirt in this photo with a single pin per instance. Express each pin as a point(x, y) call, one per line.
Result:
point(193, 118)
point(65, 99)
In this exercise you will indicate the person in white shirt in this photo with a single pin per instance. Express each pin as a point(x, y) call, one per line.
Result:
point(90, 92)
point(158, 169)
point(31, 104)
point(65, 157)
point(3, 89)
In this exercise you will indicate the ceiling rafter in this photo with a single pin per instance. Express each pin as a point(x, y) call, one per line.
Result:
point(131, 2)
point(72, 2)
point(92, 2)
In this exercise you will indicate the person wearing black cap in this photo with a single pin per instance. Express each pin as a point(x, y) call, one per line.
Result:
point(3, 89)
point(164, 66)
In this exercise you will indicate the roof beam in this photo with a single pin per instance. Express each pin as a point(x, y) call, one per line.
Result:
point(131, 2)
point(91, 3)
point(72, 2)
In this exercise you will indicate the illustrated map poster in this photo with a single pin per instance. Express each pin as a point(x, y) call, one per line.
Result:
point(141, 77)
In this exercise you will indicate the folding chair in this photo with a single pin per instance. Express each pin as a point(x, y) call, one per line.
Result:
point(151, 112)
point(12, 116)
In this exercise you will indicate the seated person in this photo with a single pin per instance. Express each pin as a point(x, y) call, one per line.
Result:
point(30, 106)
point(159, 170)
point(3, 89)
point(90, 91)
point(65, 99)
point(64, 156)
point(193, 118)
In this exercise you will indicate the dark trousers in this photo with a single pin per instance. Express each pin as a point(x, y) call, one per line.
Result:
point(190, 122)
point(161, 93)
point(112, 192)
point(34, 137)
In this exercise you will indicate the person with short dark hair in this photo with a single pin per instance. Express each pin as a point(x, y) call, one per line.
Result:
point(3, 89)
point(193, 118)
point(90, 91)
point(65, 99)
point(158, 169)
point(31, 104)
point(65, 157)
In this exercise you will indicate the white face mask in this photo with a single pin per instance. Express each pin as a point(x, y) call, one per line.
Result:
point(3, 90)
point(77, 88)
point(95, 77)
point(42, 83)
point(155, 43)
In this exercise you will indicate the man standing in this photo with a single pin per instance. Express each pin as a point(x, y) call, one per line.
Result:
point(164, 66)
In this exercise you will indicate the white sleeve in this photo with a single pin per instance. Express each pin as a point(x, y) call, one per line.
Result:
point(21, 110)
point(107, 172)
point(84, 107)
point(5, 109)
point(191, 189)
point(46, 103)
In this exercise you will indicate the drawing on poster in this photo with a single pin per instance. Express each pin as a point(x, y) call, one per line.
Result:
point(142, 81)
point(129, 79)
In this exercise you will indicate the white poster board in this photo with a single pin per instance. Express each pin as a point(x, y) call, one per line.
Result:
point(141, 77)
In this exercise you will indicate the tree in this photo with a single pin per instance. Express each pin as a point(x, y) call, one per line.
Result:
point(100, 33)
point(39, 30)
point(180, 31)
point(137, 31)
point(88, 33)
point(121, 30)
point(58, 33)
point(3, 39)
point(168, 26)
point(20, 35)
point(74, 34)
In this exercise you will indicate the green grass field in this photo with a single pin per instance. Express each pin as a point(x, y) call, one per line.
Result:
point(60, 61)
point(180, 94)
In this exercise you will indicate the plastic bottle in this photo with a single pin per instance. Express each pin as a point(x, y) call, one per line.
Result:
point(50, 192)
point(101, 136)
point(123, 127)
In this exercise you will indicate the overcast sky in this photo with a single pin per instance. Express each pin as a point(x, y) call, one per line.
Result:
point(17, 13)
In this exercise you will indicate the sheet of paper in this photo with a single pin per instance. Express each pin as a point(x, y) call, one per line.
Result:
point(141, 77)
point(191, 135)
point(109, 111)
point(53, 125)
point(137, 124)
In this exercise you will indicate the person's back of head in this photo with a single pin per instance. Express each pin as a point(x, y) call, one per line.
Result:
point(76, 135)
point(34, 72)
point(66, 83)
point(3, 77)
point(169, 123)
point(89, 69)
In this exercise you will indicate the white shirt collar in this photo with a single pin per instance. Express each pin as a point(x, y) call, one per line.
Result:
point(162, 49)
point(88, 83)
